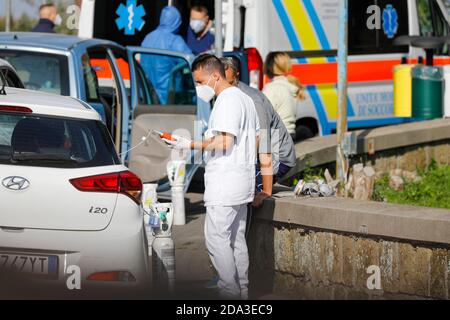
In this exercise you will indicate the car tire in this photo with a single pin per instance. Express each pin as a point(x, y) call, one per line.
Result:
point(303, 133)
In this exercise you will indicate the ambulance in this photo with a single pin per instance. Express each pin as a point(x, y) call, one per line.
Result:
point(308, 31)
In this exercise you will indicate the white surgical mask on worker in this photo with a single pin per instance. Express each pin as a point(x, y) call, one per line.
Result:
point(198, 25)
point(205, 92)
point(58, 20)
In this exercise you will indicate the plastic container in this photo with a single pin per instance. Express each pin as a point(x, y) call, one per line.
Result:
point(403, 90)
point(427, 92)
point(149, 196)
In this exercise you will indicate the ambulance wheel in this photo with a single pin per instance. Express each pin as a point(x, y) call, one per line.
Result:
point(303, 133)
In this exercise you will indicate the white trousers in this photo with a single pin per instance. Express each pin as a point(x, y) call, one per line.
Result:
point(225, 240)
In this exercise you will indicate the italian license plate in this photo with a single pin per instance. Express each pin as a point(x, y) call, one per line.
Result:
point(31, 264)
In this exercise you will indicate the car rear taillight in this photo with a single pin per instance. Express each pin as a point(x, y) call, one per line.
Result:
point(15, 109)
point(255, 67)
point(126, 183)
point(131, 185)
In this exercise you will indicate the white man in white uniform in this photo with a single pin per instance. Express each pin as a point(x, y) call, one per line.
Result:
point(230, 148)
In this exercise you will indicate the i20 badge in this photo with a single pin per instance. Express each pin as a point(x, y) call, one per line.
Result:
point(16, 183)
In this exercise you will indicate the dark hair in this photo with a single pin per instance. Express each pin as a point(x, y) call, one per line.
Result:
point(269, 63)
point(200, 8)
point(209, 63)
point(47, 5)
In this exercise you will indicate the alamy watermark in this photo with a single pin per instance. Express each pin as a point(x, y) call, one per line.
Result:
point(73, 281)
point(374, 280)
point(73, 17)
point(385, 19)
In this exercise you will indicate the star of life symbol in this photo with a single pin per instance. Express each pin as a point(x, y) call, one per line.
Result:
point(390, 21)
point(130, 17)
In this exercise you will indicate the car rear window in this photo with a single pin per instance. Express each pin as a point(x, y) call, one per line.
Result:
point(40, 71)
point(42, 141)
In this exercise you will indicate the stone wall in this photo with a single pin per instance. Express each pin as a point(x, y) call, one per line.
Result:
point(411, 157)
point(407, 146)
point(301, 261)
point(324, 265)
point(322, 248)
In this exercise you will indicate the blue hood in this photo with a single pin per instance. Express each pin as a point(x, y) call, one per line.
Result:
point(170, 19)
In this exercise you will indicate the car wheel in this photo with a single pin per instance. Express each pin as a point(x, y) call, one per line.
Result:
point(303, 133)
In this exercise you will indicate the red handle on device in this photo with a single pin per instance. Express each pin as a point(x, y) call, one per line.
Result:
point(167, 136)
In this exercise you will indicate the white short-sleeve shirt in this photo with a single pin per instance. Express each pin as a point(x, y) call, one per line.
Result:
point(230, 177)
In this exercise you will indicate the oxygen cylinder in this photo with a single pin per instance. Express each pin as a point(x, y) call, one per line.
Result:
point(163, 255)
point(176, 171)
point(163, 263)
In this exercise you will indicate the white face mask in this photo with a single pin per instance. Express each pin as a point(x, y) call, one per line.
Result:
point(205, 92)
point(58, 20)
point(198, 25)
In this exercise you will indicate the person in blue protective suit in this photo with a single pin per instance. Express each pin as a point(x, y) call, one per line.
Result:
point(165, 37)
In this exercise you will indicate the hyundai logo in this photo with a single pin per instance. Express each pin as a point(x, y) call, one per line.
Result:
point(16, 183)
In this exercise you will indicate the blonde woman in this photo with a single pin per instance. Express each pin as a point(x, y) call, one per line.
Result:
point(283, 90)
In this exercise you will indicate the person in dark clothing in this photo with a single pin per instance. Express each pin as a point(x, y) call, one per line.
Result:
point(199, 37)
point(48, 19)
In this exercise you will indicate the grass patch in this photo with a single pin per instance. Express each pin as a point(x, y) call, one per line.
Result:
point(432, 191)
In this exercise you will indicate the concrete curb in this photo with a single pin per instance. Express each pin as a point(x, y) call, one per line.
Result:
point(363, 218)
point(322, 150)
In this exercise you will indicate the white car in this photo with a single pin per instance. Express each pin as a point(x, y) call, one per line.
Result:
point(67, 204)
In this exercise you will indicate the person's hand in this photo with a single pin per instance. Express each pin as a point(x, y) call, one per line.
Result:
point(259, 199)
point(179, 143)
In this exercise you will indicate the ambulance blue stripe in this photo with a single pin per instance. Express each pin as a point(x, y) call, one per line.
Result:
point(351, 111)
point(373, 123)
point(318, 27)
point(327, 127)
point(295, 43)
point(313, 92)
